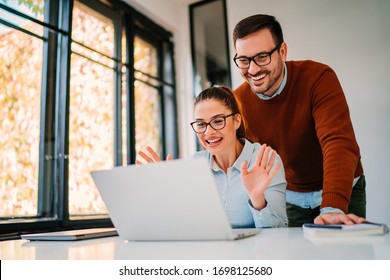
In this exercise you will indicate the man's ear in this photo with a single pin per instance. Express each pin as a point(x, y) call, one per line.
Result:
point(283, 51)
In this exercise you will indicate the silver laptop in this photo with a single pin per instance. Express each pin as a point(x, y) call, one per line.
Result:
point(71, 235)
point(169, 200)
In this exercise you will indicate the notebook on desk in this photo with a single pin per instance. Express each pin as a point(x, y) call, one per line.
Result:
point(71, 235)
point(169, 200)
point(333, 230)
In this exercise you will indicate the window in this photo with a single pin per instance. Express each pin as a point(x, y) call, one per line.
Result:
point(147, 100)
point(91, 104)
point(84, 86)
point(21, 66)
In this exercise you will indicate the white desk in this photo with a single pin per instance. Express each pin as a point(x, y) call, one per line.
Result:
point(270, 244)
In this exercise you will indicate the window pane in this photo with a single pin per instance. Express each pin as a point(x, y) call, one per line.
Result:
point(91, 123)
point(147, 99)
point(33, 9)
point(93, 29)
point(145, 57)
point(147, 117)
point(20, 96)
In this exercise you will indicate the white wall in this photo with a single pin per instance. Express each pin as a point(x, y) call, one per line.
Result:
point(352, 36)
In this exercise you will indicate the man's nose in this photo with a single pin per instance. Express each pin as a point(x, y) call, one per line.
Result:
point(253, 67)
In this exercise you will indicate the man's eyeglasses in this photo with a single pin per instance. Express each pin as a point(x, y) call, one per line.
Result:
point(216, 123)
point(260, 59)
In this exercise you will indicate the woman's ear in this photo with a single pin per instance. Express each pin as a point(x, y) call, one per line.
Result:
point(237, 121)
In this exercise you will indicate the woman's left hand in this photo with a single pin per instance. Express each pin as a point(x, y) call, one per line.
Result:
point(258, 178)
point(152, 157)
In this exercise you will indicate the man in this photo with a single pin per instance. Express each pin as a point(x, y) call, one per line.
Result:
point(299, 109)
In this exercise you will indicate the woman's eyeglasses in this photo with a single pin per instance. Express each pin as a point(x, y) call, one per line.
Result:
point(216, 123)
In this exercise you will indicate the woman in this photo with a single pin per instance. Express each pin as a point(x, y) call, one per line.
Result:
point(250, 176)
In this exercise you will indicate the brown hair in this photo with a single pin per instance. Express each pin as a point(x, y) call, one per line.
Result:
point(257, 22)
point(224, 95)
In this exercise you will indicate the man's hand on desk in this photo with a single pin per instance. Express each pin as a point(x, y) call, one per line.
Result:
point(338, 218)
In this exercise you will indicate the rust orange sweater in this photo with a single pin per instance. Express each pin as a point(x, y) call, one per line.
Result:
point(309, 125)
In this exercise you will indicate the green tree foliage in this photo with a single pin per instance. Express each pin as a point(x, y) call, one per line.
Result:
point(36, 7)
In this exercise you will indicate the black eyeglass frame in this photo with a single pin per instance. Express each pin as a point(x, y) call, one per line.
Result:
point(252, 58)
point(209, 123)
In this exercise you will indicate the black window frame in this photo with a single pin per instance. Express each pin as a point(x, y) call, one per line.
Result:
point(192, 9)
point(53, 212)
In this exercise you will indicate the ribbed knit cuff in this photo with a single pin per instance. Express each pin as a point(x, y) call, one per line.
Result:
point(334, 201)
